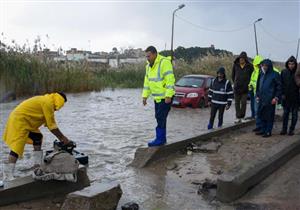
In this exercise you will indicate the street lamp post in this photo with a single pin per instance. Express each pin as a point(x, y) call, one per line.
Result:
point(179, 7)
point(260, 19)
point(297, 48)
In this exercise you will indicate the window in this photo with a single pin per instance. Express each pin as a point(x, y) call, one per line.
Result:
point(190, 82)
point(208, 82)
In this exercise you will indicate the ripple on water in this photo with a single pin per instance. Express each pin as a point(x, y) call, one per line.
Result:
point(109, 126)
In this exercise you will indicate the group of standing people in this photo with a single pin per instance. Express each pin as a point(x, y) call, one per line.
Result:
point(266, 86)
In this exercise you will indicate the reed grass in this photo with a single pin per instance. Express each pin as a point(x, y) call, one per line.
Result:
point(26, 74)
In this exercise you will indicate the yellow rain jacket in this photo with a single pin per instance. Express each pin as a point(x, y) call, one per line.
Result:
point(159, 79)
point(254, 76)
point(28, 117)
point(277, 70)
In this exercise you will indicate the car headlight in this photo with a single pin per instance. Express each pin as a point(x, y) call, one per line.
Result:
point(192, 95)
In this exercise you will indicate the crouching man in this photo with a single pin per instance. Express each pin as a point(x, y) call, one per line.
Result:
point(23, 127)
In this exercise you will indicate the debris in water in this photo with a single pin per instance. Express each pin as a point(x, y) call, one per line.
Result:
point(171, 166)
point(130, 206)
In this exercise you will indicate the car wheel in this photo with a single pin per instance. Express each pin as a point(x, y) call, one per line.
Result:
point(201, 103)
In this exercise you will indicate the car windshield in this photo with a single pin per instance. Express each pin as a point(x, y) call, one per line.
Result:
point(190, 82)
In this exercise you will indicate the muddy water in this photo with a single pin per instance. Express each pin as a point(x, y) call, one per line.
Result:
point(109, 126)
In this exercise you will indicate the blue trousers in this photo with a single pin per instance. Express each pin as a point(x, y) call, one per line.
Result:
point(286, 113)
point(252, 104)
point(267, 119)
point(257, 119)
point(161, 113)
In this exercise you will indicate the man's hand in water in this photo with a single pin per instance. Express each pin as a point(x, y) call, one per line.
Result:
point(60, 136)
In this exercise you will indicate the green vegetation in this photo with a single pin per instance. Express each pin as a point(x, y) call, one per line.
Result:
point(28, 74)
point(191, 54)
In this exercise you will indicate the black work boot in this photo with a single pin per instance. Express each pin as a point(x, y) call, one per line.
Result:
point(291, 133)
point(283, 132)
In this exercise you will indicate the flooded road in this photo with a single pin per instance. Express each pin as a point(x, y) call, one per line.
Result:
point(109, 126)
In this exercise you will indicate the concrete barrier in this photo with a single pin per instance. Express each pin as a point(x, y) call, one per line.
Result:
point(26, 188)
point(145, 156)
point(99, 196)
point(236, 182)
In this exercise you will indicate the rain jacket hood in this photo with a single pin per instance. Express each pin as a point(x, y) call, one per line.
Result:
point(269, 63)
point(257, 60)
point(58, 100)
point(242, 55)
point(252, 85)
point(291, 59)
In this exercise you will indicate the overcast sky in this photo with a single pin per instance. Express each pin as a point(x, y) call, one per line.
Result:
point(102, 25)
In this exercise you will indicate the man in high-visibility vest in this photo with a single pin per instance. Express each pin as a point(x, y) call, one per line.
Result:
point(252, 89)
point(159, 82)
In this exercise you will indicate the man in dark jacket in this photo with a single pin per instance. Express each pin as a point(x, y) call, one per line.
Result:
point(290, 95)
point(220, 96)
point(268, 93)
point(241, 74)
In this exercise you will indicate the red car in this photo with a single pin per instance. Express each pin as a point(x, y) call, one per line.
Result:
point(192, 91)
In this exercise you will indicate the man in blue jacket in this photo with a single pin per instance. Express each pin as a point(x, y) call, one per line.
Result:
point(268, 94)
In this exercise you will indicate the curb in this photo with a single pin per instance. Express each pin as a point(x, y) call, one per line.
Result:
point(236, 182)
point(145, 156)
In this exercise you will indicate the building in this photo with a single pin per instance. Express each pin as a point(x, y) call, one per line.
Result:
point(114, 60)
point(46, 53)
point(77, 55)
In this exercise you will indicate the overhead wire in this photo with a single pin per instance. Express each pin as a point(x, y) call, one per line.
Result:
point(210, 29)
point(235, 30)
point(275, 38)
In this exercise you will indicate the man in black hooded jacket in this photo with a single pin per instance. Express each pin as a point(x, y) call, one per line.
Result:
point(241, 75)
point(290, 95)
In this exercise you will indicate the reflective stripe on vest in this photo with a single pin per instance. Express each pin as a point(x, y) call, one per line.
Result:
point(168, 72)
point(158, 78)
point(158, 94)
point(170, 86)
point(226, 85)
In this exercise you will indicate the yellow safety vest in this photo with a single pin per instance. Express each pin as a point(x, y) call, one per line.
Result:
point(159, 79)
point(254, 76)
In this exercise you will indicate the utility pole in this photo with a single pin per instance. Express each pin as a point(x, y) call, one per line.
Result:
point(179, 7)
point(255, 34)
point(298, 48)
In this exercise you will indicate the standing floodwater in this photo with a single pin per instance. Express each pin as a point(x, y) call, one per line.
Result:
point(109, 126)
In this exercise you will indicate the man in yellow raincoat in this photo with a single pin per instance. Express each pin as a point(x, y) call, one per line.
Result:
point(159, 82)
point(23, 127)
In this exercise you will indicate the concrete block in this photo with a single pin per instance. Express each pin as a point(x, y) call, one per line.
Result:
point(145, 156)
point(99, 196)
point(26, 188)
point(236, 182)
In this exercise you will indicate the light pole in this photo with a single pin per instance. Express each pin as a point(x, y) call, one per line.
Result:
point(179, 7)
point(260, 19)
point(298, 48)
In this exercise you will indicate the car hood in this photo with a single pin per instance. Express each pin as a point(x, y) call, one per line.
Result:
point(188, 89)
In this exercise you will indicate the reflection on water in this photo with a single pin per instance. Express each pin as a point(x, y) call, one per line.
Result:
point(109, 126)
